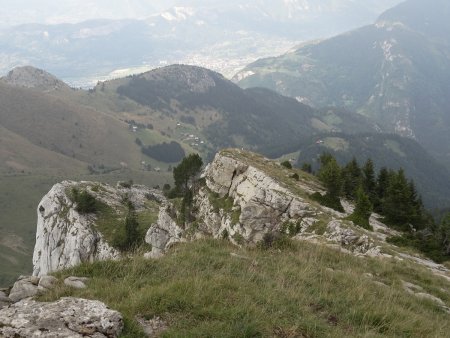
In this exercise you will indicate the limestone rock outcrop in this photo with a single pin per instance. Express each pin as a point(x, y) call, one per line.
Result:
point(261, 202)
point(242, 201)
point(66, 237)
point(165, 232)
point(67, 317)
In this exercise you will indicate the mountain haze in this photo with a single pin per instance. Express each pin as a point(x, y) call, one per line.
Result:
point(395, 72)
point(112, 41)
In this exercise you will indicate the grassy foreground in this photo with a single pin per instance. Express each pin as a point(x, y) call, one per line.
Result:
point(306, 290)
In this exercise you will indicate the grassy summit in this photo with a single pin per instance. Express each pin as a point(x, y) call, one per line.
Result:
point(210, 288)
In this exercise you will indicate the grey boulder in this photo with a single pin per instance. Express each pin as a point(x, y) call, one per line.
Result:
point(67, 317)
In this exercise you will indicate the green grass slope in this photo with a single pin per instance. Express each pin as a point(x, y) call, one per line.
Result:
point(305, 290)
point(49, 137)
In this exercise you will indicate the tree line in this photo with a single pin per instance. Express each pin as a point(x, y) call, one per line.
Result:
point(389, 193)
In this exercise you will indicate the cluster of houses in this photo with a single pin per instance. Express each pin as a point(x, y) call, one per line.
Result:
point(194, 140)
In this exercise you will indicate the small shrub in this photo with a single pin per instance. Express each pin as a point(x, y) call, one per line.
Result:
point(286, 164)
point(306, 167)
point(275, 240)
point(328, 201)
point(126, 184)
point(138, 142)
point(295, 177)
point(290, 228)
point(225, 234)
point(239, 239)
point(361, 221)
point(85, 202)
point(128, 238)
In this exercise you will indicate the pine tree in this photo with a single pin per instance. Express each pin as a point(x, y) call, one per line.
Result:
point(363, 209)
point(369, 183)
point(331, 176)
point(132, 237)
point(381, 187)
point(351, 176)
point(398, 204)
point(444, 235)
point(185, 176)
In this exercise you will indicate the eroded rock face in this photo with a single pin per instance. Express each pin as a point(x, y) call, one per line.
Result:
point(164, 233)
point(262, 203)
point(256, 204)
point(67, 317)
point(64, 237)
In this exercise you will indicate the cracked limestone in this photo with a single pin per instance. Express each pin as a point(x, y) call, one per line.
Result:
point(67, 317)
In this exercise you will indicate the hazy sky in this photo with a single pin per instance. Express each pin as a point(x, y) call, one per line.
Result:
point(61, 11)
point(13, 12)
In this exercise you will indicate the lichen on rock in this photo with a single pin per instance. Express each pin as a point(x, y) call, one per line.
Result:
point(67, 317)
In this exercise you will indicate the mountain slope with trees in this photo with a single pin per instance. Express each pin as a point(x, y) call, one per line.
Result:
point(395, 71)
point(111, 132)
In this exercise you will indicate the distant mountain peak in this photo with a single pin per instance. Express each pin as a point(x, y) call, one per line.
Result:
point(192, 78)
point(31, 77)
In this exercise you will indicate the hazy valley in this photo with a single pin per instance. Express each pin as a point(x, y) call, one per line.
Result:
point(206, 160)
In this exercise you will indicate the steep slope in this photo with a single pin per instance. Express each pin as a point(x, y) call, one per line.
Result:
point(66, 128)
point(53, 136)
point(395, 71)
point(226, 115)
point(305, 266)
point(46, 138)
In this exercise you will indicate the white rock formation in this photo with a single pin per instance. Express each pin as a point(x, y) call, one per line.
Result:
point(67, 317)
point(260, 205)
point(64, 237)
point(164, 233)
point(264, 203)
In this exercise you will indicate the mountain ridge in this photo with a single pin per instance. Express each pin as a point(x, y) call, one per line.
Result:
point(388, 71)
point(175, 108)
